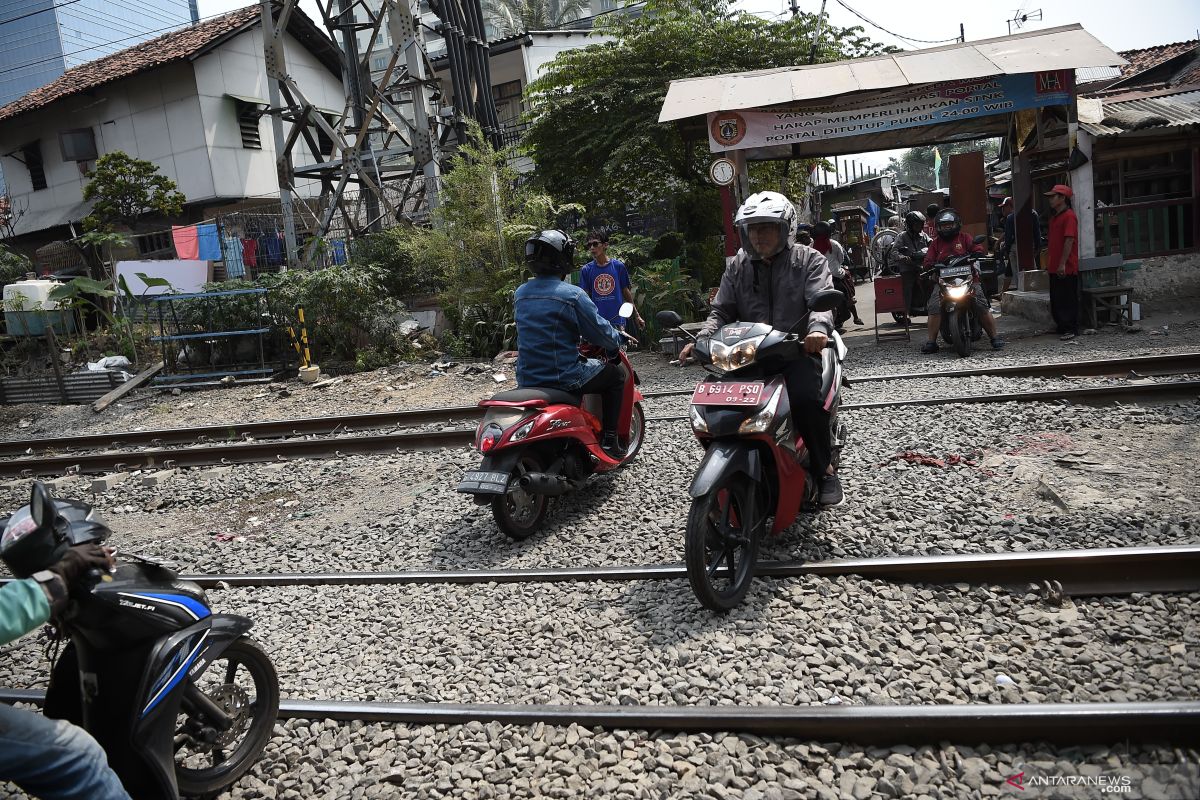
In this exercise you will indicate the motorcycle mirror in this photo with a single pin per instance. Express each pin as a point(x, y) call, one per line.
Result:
point(626, 310)
point(668, 319)
point(826, 300)
point(41, 507)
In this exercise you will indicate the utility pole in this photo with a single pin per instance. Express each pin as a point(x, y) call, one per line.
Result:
point(812, 50)
point(962, 33)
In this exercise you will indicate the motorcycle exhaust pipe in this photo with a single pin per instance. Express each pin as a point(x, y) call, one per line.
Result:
point(543, 483)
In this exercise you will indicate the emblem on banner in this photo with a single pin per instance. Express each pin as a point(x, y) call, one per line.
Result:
point(1052, 82)
point(728, 128)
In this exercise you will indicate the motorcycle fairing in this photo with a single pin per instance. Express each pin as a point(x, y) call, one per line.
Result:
point(722, 458)
point(174, 660)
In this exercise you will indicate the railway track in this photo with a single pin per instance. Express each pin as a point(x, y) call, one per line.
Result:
point(256, 442)
point(998, 723)
point(1074, 573)
point(349, 423)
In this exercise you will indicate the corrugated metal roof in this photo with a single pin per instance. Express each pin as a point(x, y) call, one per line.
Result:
point(1147, 113)
point(1065, 47)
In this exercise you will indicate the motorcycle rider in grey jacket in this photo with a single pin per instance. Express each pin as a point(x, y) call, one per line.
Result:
point(771, 280)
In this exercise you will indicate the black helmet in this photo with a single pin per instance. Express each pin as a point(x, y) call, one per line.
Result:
point(37, 536)
point(550, 253)
point(914, 219)
point(822, 228)
point(949, 224)
point(931, 210)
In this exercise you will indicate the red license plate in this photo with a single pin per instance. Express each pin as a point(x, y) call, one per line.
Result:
point(728, 394)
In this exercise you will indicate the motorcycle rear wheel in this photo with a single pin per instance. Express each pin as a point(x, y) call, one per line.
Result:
point(960, 332)
point(247, 689)
point(518, 512)
point(721, 543)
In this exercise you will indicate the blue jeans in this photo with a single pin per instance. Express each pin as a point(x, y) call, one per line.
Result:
point(53, 759)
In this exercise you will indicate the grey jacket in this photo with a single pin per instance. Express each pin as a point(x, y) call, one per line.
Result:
point(903, 253)
point(776, 292)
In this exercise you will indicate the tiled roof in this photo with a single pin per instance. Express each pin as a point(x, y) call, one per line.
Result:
point(1150, 57)
point(178, 45)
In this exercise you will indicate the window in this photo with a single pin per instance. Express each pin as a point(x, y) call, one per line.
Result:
point(504, 91)
point(248, 114)
point(32, 154)
point(379, 63)
point(78, 144)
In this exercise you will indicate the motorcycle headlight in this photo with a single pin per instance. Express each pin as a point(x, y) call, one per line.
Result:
point(733, 357)
point(698, 423)
point(957, 292)
point(523, 431)
point(761, 422)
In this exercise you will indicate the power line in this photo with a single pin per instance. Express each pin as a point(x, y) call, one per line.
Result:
point(39, 11)
point(106, 44)
point(893, 33)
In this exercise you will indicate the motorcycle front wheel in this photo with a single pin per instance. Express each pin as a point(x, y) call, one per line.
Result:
point(637, 432)
point(519, 512)
point(721, 543)
point(960, 332)
point(243, 684)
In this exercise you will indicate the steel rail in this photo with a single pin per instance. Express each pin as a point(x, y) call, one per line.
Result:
point(348, 423)
point(1000, 723)
point(1077, 573)
point(1172, 363)
point(280, 450)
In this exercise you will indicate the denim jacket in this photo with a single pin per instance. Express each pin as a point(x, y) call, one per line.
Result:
point(552, 316)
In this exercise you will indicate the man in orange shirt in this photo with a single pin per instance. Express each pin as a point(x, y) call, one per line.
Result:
point(1062, 262)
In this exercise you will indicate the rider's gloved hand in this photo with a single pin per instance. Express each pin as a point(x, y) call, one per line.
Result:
point(79, 559)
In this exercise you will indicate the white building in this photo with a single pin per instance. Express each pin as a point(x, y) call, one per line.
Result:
point(190, 102)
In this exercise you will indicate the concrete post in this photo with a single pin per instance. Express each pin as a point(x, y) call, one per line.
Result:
point(1085, 197)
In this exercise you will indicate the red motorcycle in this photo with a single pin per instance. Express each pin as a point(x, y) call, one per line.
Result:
point(543, 443)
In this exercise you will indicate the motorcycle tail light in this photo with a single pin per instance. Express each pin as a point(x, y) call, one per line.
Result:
point(489, 437)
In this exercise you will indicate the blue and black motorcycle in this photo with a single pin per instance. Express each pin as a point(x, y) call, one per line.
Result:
point(179, 698)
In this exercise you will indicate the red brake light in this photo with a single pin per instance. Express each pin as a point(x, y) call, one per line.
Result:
point(487, 442)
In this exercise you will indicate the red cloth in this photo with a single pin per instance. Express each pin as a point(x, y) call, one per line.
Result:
point(940, 250)
point(1064, 224)
point(821, 244)
point(187, 242)
point(250, 252)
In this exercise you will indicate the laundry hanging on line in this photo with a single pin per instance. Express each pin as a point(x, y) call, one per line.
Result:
point(187, 242)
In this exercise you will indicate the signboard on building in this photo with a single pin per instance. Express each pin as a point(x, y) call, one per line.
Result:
point(910, 107)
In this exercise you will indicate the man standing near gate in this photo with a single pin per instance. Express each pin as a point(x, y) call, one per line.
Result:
point(1062, 263)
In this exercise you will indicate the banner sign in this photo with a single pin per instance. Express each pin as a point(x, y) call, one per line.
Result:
point(909, 107)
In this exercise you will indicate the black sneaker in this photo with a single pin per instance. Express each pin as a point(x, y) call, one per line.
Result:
point(831, 491)
point(929, 347)
point(998, 343)
point(611, 447)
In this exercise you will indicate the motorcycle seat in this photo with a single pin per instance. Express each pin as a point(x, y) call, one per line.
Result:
point(533, 396)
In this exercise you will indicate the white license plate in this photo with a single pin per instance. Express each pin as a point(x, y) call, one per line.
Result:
point(955, 272)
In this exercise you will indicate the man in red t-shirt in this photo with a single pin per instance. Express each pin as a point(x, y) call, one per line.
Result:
point(1062, 262)
point(950, 243)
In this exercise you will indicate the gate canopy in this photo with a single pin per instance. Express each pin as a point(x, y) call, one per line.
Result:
point(917, 97)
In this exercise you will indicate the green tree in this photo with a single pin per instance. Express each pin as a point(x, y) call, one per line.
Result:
point(13, 266)
point(125, 188)
point(511, 17)
point(915, 166)
point(594, 131)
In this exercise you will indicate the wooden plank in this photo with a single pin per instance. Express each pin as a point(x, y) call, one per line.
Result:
point(127, 387)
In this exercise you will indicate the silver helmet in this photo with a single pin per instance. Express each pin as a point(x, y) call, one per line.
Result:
point(766, 207)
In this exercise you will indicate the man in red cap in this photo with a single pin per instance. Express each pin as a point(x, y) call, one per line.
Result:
point(1062, 263)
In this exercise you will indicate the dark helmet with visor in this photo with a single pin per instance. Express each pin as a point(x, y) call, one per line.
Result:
point(550, 252)
point(949, 225)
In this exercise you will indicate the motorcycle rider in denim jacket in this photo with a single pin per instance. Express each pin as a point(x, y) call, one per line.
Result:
point(552, 316)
